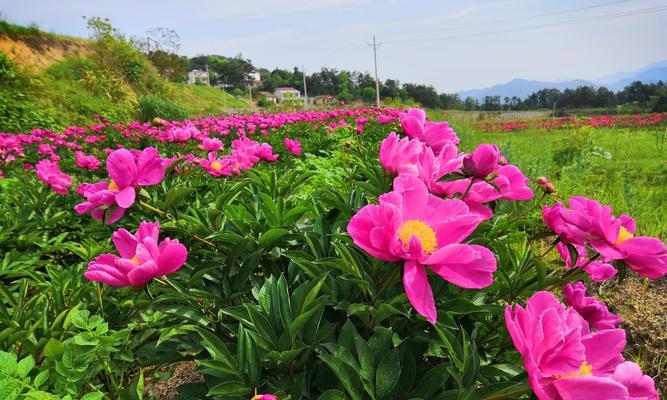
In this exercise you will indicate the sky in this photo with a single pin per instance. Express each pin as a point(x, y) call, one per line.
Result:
point(450, 44)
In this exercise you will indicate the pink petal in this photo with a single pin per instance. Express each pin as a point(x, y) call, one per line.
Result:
point(104, 277)
point(125, 198)
point(590, 388)
point(640, 386)
point(148, 229)
point(112, 214)
point(603, 349)
point(150, 170)
point(122, 168)
point(172, 256)
point(418, 290)
point(125, 242)
point(467, 266)
point(143, 273)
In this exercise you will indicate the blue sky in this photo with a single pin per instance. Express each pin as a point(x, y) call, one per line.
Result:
point(453, 45)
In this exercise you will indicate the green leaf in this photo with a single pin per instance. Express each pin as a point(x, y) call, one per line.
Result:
point(332, 394)
point(93, 396)
point(53, 349)
point(7, 363)
point(574, 254)
point(41, 378)
point(462, 306)
point(347, 376)
point(306, 315)
point(175, 195)
point(216, 348)
point(271, 236)
point(434, 379)
point(387, 374)
point(454, 176)
point(229, 389)
point(24, 367)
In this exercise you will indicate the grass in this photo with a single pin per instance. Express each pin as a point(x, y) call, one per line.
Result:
point(625, 168)
point(204, 100)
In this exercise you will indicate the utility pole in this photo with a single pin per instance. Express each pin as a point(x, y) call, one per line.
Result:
point(305, 88)
point(553, 113)
point(208, 79)
point(377, 81)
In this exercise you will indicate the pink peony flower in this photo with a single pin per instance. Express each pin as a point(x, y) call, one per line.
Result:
point(87, 161)
point(423, 230)
point(597, 270)
point(141, 258)
point(49, 172)
point(108, 200)
point(293, 146)
point(400, 156)
point(435, 134)
point(591, 309)
point(214, 144)
point(510, 184)
point(482, 161)
point(566, 361)
point(264, 397)
point(216, 166)
point(588, 222)
point(265, 152)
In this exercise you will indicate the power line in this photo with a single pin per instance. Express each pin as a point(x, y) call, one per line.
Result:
point(536, 16)
point(598, 18)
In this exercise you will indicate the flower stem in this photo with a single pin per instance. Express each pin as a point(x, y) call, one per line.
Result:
point(472, 180)
point(534, 206)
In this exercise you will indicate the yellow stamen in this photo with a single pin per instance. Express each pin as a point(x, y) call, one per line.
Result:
point(424, 233)
point(113, 185)
point(135, 260)
point(584, 369)
point(623, 235)
point(216, 166)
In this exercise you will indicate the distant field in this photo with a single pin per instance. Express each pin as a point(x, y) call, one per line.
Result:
point(633, 180)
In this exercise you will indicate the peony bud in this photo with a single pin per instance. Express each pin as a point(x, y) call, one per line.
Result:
point(481, 162)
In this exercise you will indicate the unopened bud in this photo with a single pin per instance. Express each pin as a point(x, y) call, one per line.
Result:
point(542, 180)
point(549, 187)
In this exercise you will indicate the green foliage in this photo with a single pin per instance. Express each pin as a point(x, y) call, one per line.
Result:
point(153, 105)
point(275, 297)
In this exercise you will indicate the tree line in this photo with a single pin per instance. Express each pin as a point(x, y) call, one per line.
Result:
point(161, 45)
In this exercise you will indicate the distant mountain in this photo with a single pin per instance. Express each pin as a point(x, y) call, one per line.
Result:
point(652, 75)
point(614, 79)
point(523, 88)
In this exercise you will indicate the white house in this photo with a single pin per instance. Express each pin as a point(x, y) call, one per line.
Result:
point(201, 74)
point(255, 78)
point(287, 94)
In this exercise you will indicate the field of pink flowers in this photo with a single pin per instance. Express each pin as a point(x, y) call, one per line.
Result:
point(417, 271)
point(631, 121)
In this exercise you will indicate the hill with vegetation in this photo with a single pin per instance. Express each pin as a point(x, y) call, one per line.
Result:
point(51, 81)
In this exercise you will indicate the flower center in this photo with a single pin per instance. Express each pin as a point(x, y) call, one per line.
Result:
point(135, 260)
point(113, 185)
point(623, 235)
point(424, 233)
point(216, 166)
point(584, 369)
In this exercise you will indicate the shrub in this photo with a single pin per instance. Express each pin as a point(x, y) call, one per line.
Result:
point(152, 105)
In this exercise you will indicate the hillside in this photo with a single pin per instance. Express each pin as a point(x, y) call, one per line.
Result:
point(51, 81)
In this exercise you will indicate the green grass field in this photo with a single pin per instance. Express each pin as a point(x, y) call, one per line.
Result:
point(626, 168)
